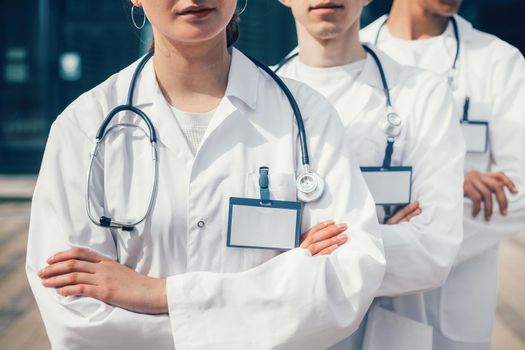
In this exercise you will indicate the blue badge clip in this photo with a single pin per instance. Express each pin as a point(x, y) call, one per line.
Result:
point(264, 183)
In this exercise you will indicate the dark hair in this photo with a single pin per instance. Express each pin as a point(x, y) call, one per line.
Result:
point(233, 31)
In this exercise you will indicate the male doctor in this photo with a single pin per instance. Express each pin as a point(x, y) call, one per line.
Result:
point(422, 239)
point(487, 76)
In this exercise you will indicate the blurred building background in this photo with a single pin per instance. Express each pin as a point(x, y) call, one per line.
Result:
point(53, 50)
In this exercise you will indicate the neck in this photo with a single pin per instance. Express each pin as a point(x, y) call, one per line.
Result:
point(408, 20)
point(192, 77)
point(343, 49)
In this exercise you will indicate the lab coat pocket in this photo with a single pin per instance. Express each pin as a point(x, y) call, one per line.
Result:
point(282, 187)
point(387, 330)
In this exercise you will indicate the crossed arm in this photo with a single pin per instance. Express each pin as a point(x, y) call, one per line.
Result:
point(81, 272)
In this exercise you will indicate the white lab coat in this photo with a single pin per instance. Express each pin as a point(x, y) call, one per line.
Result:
point(219, 297)
point(492, 73)
point(420, 252)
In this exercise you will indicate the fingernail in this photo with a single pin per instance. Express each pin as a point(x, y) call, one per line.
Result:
point(50, 259)
point(334, 247)
point(504, 211)
point(342, 237)
point(345, 226)
point(329, 222)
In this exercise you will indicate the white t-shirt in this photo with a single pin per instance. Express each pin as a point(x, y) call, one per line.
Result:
point(193, 126)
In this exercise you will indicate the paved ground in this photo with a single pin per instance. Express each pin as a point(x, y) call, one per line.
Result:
point(21, 327)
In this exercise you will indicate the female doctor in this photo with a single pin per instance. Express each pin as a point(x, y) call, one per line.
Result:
point(171, 280)
point(487, 77)
point(394, 117)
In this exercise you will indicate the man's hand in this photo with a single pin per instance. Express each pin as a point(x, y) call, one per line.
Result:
point(405, 214)
point(481, 187)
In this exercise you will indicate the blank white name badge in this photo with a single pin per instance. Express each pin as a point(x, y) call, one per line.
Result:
point(392, 186)
point(476, 134)
point(272, 224)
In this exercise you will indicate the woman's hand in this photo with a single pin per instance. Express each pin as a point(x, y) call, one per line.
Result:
point(84, 273)
point(405, 214)
point(480, 188)
point(324, 238)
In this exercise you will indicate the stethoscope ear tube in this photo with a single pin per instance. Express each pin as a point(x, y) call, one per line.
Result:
point(310, 185)
point(382, 75)
point(295, 108)
point(103, 130)
point(452, 71)
point(126, 108)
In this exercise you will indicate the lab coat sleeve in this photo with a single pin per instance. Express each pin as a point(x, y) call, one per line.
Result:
point(59, 222)
point(421, 252)
point(294, 301)
point(507, 148)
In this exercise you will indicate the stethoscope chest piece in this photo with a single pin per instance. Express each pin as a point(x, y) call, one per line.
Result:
point(391, 125)
point(310, 186)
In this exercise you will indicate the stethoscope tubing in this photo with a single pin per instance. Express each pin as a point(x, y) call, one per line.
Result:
point(101, 134)
point(455, 28)
point(104, 130)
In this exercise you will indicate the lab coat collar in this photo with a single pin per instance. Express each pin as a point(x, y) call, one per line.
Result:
point(243, 79)
point(242, 82)
point(370, 78)
point(242, 87)
point(370, 74)
point(465, 27)
point(370, 83)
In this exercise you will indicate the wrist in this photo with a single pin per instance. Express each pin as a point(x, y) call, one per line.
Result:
point(159, 302)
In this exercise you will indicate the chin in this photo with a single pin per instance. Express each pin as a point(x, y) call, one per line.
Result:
point(196, 34)
point(326, 31)
point(448, 7)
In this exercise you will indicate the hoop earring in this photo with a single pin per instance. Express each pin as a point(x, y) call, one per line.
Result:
point(243, 8)
point(133, 18)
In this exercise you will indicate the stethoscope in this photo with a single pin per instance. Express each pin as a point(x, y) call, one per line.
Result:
point(451, 74)
point(310, 185)
point(392, 124)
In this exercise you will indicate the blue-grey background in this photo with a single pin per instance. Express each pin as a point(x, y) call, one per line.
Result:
point(53, 50)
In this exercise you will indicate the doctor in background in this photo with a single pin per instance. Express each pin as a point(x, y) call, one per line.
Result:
point(422, 239)
point(487, 76)
point(172, 281)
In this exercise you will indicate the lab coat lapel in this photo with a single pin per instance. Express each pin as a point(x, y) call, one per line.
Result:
point(370, 85)
point(241, 92)
point(168, 130)
point(149, 97)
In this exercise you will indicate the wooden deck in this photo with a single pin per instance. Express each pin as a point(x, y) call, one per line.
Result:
point(21, 327)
